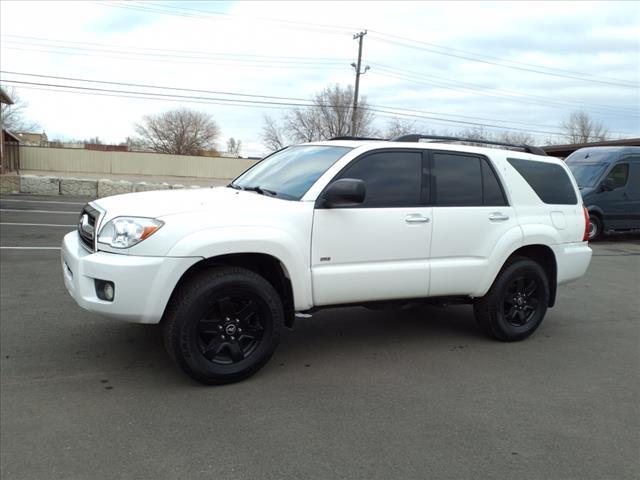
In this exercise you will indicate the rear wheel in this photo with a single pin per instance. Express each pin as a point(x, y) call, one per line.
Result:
point(223, 325)
point(595, 227)
point(516, 303)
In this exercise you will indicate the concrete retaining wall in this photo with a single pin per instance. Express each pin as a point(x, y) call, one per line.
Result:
point(41, 185)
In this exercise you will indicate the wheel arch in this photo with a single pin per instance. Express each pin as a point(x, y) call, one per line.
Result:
point(265, 265)
point(544, 256)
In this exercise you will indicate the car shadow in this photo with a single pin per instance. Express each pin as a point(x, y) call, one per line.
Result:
point(123, 349)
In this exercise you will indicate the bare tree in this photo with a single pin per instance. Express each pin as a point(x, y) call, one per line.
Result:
point(579, 127)
point(330, 116)
point(272, 136)
point(234, 146)
point(13, 116)
point(398, 126)
point(180, 132)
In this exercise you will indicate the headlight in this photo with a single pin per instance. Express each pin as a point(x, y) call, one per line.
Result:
point(125, 232)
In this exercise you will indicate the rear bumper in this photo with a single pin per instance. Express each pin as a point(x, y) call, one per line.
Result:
point(572, 260)
point(143, 285)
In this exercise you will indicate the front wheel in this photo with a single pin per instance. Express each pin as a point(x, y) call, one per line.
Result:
point(223, 325)
point(516, 303)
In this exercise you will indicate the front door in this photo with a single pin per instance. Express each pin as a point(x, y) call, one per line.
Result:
point(380, 249)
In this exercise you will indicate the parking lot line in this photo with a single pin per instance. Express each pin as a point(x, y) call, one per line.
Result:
point(37, 224)
point(30, 248)
point(35, 211)
point(41, 201)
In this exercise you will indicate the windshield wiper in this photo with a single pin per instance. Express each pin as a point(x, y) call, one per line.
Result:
point(235, 187)
point(260, 190)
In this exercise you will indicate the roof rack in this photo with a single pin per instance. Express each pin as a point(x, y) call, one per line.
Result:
point(417, 138)
point(347, 137)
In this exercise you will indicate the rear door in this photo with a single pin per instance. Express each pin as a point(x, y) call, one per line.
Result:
point(470, 216)
point(377, 250)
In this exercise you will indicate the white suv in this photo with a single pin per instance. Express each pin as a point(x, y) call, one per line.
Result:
point(323, 224)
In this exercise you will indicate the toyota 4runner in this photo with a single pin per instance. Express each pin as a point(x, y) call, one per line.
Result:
point(346, 221)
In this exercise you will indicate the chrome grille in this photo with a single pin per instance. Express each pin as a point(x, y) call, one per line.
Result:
point(87, 225)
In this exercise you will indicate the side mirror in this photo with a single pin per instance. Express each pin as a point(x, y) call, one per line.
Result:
point(607, 184)
point(345, 192)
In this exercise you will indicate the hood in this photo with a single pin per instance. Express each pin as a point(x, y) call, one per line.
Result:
point(162, 203)
point(586, 191)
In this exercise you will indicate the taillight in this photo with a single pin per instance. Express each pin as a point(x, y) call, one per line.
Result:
point(585, 237)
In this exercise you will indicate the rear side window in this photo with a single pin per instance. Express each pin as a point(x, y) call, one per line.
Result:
point(550, 182)
point(457, 180)
point(392, 179)
point(465, 180)
point(492, 193)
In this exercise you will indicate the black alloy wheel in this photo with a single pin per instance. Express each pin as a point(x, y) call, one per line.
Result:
point(521, 300)
point(232, 329)
point(223, 324)
point(516, 303)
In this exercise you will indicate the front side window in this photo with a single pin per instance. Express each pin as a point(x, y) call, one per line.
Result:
point(392, 179)
point(289, 173)
point(619, 175)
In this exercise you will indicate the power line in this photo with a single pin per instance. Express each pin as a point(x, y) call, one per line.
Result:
point(262, 103)
point(304, 101)
point(328, 63)
point(128, 48)
point(523, 100)
point(401, 41)
point(502, 92)
point(245, 63)
point(530, 67)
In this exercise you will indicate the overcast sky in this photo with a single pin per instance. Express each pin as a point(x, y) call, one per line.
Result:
point(511, 65)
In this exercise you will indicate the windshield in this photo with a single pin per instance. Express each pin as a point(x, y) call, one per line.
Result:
point(289, 173)
point(587, 174)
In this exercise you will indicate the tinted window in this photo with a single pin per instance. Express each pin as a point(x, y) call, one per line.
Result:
point(619, 175)
point(457, 180)
point(587, 174)
point(392, 179)
point(492, 193)
point(550, 182)
point(292, 171)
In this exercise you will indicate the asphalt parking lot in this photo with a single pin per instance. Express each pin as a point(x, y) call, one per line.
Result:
point(350, 393)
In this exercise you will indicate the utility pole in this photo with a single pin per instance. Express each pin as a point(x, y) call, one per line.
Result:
point(358, 73)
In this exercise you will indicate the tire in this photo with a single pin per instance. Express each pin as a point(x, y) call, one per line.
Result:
point(516, 303)
point(223, 325)
point(596, 227)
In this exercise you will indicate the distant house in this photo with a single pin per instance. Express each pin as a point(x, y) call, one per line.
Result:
point(33, 139)
point(106, 148)
point(8, 157)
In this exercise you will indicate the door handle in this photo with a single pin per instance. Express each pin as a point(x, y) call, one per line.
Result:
point(498, 217)
point(416, 219)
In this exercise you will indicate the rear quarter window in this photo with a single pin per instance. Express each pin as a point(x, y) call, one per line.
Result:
point(549, 181)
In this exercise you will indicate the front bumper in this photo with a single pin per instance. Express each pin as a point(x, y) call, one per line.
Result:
point(143, 285)
point(572, 260)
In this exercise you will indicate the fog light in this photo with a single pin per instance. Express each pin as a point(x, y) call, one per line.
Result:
point(105, 290)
